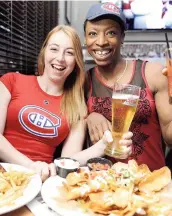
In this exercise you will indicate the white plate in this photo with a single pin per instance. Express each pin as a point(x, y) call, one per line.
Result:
point(49, 191)
point(30, 191)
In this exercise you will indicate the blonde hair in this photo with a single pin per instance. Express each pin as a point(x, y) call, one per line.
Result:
point(73, 103)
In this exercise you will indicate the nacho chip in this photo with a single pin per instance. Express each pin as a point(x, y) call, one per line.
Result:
point(142, 172)
point(160, 209)
point(157, 180)
point(75, 178)
point(101, 200)
point(75, 192)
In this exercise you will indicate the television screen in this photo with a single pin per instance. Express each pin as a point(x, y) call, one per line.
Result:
point(146, 14)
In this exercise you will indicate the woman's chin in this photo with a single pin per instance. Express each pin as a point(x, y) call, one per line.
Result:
point(102, 63)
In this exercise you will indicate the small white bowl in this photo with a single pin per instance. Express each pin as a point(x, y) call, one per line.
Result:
point(66, 165)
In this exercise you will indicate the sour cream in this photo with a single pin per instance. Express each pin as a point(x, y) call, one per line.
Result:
point(67, 163)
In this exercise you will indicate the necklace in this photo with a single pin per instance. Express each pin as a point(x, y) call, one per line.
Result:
point(126, 64)
point(102, 79)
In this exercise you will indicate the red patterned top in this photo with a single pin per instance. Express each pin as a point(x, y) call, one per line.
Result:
point(147, 140)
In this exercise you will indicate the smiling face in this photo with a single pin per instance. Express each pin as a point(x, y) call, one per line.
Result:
point(103, 40)
point(59, 57)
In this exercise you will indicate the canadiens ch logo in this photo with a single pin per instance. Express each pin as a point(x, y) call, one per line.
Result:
point(39, 121)
point(108, 6)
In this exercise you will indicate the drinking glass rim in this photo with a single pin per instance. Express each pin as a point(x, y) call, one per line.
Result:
point(124, 85)
point(166, 49)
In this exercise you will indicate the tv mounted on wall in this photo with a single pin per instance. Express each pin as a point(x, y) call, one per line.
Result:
point(146, 14)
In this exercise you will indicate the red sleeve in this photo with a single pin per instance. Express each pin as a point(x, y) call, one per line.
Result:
point(8, 80)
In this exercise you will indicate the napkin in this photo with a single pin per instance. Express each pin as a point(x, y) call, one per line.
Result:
point(38, 207)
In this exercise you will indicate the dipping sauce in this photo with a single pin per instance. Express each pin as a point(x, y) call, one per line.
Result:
point(98, 166)
point(98, 163)
point(67, 163)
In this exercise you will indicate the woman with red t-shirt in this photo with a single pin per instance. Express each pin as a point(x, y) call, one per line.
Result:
point(37, 113)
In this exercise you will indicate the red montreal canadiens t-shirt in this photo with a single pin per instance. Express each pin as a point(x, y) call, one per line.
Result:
point(34, 123)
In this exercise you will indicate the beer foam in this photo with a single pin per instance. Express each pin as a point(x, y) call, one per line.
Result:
point(124, 96)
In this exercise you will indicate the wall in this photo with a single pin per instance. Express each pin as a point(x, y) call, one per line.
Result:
point(78, 13)
point(147, 36)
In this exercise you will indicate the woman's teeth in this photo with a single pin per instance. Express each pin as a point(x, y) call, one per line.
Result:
point(104, 52)
point(58, 67)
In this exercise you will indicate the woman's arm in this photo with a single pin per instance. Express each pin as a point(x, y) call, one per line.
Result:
point(75, 140)
point(97, 125)
point(7, 152)
point(74, 144)
point(10, 155)
point(164, 109)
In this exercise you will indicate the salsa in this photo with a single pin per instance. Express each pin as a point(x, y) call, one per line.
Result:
point(99, 166)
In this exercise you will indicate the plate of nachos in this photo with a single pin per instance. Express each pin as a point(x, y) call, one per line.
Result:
point(123, 190)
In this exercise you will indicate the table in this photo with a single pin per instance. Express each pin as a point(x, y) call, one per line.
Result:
point(24, 211)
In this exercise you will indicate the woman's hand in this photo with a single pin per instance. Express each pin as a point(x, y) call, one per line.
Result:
point(97, 125)
point(44, 169)
point(125, 141)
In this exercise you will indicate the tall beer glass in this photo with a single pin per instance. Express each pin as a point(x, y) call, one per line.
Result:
point(124, 103)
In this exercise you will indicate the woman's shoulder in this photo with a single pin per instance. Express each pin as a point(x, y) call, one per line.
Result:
point(154, 71)
point(12, 80)
point(16, 75)
point(154, 67)
point(17, 79)
point(23, 76)
point(155, 76)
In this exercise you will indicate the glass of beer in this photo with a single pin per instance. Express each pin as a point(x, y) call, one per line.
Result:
point(168, 54)
point(124, 103)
